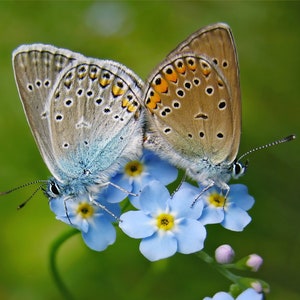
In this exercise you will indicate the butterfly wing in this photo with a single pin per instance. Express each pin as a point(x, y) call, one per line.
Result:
point(95, 118)
point(37, 68)
point(185, 106)
point(82, 111)
point(217, 43)
point(194, 108)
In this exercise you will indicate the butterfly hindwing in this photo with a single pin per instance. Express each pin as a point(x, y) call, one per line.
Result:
point(185, 97)
point(217, 44)
point(194, 106)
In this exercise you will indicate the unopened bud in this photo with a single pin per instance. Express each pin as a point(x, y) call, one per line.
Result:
point(224, 254)
point(254, 262)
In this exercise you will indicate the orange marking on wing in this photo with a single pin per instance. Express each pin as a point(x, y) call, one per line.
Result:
point(152, 100)
point(191, 65)
point(117, 91)
point(160, 85)
point(104, 82)
point(171, 76)
point(181, 68)
point(130, 106)
point(93, 75)
point(205, 68)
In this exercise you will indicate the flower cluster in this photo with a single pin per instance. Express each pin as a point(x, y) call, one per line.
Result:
point(166, 223)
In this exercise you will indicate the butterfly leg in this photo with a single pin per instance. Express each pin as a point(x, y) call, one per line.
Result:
point(117, 187)
point(105, 209)
point(210, 185)
point(226, 188)
point(66, 209)
point(179, 185)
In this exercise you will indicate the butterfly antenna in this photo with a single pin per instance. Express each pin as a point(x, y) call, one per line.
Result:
point(22, 186)
point(283, 140)
point(27, 200)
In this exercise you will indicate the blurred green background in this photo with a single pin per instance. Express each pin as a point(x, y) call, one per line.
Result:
point(139, 34)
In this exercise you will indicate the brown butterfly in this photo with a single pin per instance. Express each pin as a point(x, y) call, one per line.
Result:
point(193, 100)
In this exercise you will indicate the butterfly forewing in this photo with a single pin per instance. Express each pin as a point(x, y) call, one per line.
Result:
point(36, 71)
point(94, 112)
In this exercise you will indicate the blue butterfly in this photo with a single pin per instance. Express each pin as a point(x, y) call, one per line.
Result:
point(85, 116)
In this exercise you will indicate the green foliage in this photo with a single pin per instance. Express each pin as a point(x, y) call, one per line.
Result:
point(267, 37)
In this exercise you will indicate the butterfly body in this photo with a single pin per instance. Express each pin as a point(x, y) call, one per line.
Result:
point(84, 113)
point(194, 107)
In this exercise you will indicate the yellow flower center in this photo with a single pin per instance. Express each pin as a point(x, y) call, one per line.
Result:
point(134, 168)
point(216, 200)
point(85, 210)
point(165, 221)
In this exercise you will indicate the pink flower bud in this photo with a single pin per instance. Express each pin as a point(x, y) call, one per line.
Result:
point(224, 254)
point(254, 262)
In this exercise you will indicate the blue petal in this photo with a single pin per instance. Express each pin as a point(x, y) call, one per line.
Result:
point(144, 180)
point(70, 221)
point(190, 236)
point(135, 201)
point(212, 215)
point(154, 197)
point(100, 234)
point(239, 195)
point(160, 169)
point(112, 208)
point(158, 246)
point(250, 294)
point(190, 186)
point(84, 225)
point(114, 194)
point(181, 204)
point(66, 213)
point(57, 205)
point(137, 186)
point(220, 296)
point(136, 224)
point(236, 219)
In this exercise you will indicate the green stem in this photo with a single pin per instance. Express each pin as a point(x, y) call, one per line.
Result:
point(53, 265)
point(220, 268)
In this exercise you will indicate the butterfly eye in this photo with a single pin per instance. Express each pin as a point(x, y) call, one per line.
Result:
point(238, 170)
point(54, 189)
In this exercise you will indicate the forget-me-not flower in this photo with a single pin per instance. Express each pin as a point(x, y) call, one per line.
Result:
point(165, 224)
point(94, 222)
point(231, 212)
point(136, 174)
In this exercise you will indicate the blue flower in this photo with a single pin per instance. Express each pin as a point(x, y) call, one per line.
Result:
point(94, 222)
point(249, 294)
point(136, 174)
point(165, 224)
point(230, 212)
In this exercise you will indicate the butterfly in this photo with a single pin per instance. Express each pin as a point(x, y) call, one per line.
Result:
point(84, 113)
point(193, 101)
